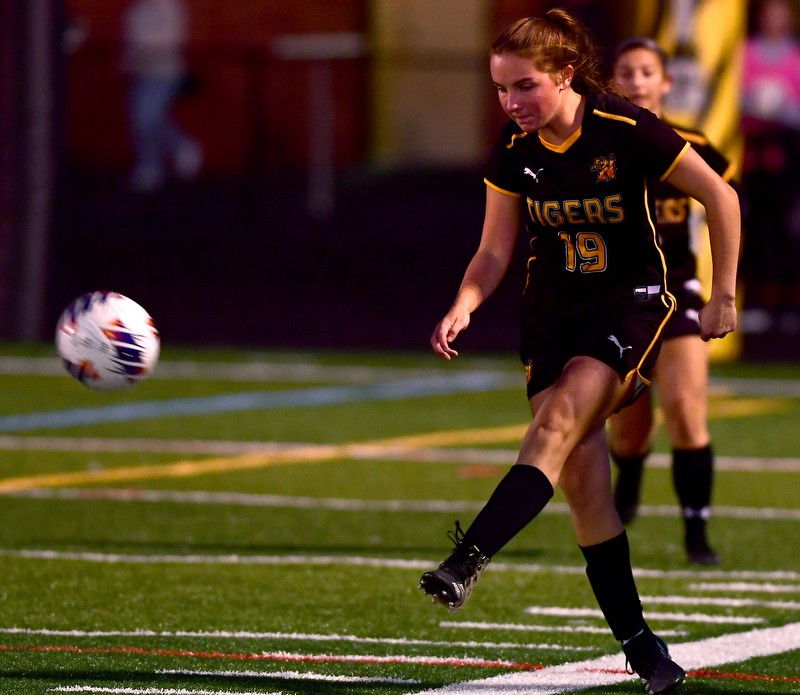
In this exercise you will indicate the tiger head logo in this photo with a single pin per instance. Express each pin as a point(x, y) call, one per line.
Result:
point(606, 168)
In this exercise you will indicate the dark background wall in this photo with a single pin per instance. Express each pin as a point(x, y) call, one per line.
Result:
point(237, 257)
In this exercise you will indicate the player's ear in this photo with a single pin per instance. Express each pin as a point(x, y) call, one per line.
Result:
point(564, 79)
point(669, 80)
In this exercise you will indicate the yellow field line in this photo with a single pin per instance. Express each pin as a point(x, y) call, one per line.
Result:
point(724, 408)
point(179, 469)
point(718, 408)
point(487, 435)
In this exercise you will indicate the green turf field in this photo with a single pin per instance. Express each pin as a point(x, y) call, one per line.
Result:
point(257, 522)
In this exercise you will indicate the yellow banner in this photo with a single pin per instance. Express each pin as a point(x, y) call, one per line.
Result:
point(705, 39)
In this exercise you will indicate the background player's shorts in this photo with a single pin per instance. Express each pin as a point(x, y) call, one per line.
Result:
point(627, 338)
point(686, 318)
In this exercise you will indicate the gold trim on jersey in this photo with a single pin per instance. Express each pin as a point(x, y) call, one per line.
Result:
point(700, 139)
point(501, 190)
point(676, 162)
point(564, 146)
point(514, 137)
point(613, 117)
point(729, 172)
point(667, 297)
point(694, 138)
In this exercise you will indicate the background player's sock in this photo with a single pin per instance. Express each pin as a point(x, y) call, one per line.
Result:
point(627, 488)
point(608, 566)
point(518, 498)
point(692, 473)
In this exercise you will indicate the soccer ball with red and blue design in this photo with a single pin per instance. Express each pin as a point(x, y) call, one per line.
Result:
point(107, 341)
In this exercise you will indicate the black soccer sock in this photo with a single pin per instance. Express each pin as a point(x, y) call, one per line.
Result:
point(608, 566)
point(629, 479)
point(693, 473)
point(518, 498)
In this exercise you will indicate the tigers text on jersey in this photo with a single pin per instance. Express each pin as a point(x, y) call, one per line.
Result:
point(672, 210)
point(590, 202)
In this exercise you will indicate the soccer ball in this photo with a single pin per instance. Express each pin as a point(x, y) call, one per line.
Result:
point(107, 341)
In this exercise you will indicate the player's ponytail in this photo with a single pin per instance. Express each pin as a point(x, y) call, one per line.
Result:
point(553, 42)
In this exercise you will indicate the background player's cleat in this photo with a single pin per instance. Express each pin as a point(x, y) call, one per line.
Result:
point(452, 584)
point(648, 656)
point(698, 550)
point(626, 492)
point(701, 553)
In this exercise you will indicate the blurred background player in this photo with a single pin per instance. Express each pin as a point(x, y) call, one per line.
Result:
point(771, 169)
point(156, 32)
point(681, 373)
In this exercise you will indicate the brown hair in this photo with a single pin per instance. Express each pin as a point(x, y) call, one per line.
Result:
point(553, 42)
point(641, 42)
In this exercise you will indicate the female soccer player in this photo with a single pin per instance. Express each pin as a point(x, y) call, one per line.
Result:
point(578, 161)
point(681, 372)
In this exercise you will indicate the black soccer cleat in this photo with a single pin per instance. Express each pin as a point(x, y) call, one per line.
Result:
point(648, 656)
point(452, 584)
point(698, 550)
point(702, 554)
point(627, 490)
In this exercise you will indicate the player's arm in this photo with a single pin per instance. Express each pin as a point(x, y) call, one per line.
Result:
point(696, 178)
point(485, 270)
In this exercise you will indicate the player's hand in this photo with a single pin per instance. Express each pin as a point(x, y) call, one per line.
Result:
point(717, 318)
point(446, 331)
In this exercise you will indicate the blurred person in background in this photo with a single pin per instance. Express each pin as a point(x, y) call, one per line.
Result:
point(771, 169)
point(681, 373)
point(156, 32)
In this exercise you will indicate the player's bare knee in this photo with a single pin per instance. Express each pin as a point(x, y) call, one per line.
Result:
point(556, 427)
point(686, 425)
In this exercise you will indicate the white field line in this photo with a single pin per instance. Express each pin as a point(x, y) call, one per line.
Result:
point(376, 562)
point(287, 636)
point(289, 675)
point(649, 615)
point(422, 454)
point(743, 587)
point(723, 602)
point(520, 627)
point(153, 691)
point(355, 505)
point(300, 372)
point(609, 670)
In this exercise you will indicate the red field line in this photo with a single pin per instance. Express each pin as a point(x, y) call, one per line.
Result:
point(322, 658)
point(282, 656)
point(700, 673)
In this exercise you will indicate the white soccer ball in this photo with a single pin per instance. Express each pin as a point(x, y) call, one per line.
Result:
point(107, 341)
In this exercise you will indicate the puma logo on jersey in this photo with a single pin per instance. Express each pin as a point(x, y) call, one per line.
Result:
point(530, 173)
point(614, 340)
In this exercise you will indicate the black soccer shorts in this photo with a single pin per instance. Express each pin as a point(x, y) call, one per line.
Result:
point(626, 337)
point(686, 318)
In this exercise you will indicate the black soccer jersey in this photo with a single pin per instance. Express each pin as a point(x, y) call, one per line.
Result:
point(590, 201)
point(672, 211)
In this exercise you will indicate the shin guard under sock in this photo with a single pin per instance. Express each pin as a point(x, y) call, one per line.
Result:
point(692, 473)
point(627, 489)
point(518, 498)
point(608, 566)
